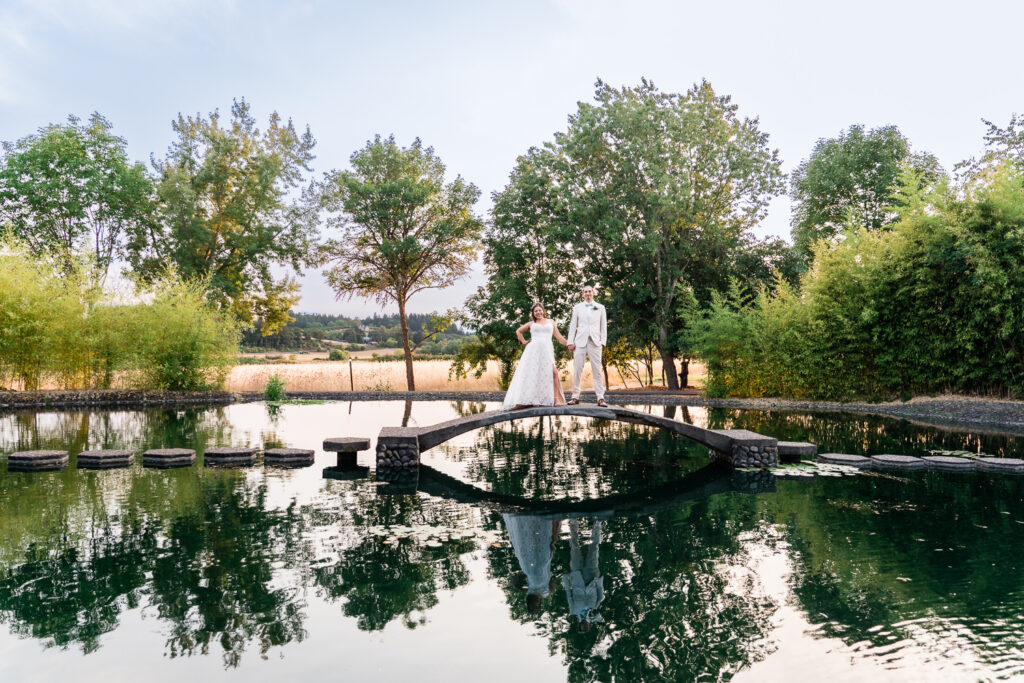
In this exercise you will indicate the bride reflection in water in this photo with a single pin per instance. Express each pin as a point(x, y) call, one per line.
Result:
point(533, 540)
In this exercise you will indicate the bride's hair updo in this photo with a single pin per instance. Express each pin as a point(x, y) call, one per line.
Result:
point(533, 308)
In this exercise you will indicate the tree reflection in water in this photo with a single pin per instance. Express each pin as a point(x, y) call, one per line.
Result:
point(875, 559)
point(207, 571)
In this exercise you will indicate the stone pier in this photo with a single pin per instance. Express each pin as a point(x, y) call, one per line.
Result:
point(746, 449)
point(398, 447)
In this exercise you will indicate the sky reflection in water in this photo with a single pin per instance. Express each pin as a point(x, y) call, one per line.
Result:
point(631, 560)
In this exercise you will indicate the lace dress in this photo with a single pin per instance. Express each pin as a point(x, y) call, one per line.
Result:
point(533, 383)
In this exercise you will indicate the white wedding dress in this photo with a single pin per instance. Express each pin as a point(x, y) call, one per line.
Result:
point(533, 383)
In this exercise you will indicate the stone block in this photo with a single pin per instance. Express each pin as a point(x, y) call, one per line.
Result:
point(845, 459)
point(105, 459)
point(37, 461)
point(229, 457)
point(761, 451)
point(165, 458)
point(1007, 465)
point(397, 448)
point(948, 463)
point(896, 462)
point(795, 451)
point(287, 457)
point(346, 444)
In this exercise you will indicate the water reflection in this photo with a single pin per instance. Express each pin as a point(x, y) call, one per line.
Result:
point(636, 561)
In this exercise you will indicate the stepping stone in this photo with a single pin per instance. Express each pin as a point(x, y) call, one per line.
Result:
point(287, 457)
point(948, 463)
point(37, 461)
point(845, 459)
point(165, 458)
point(346, 447)
point(794, 451)
point(346, 444)
point(105, 459)
point(897, 462)
point(229, 457)
point(1009, 465)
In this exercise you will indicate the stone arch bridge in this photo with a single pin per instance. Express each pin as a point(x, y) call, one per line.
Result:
point(400, 447)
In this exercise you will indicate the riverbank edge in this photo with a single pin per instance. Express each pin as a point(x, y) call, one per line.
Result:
point(941, 410)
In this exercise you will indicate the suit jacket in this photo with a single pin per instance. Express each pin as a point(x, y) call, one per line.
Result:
point(587, 323)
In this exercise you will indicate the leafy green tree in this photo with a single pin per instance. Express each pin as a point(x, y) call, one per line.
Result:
point(401, 228)
point(851, 180)
point(659, 190)
point(231, 209)
point(1002, 145)
point(526, 261)
point(70, 188)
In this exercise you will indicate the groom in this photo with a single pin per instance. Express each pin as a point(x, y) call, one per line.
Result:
point(588, 333)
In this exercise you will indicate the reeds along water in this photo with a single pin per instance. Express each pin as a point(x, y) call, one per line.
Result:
point(431, 375)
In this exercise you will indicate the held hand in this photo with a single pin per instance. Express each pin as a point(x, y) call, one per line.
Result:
point(571, 347)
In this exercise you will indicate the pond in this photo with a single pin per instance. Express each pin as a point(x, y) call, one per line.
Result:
point(626, 559)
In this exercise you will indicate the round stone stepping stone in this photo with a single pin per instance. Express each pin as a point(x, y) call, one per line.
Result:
point(346, 444)
point(106, 459)
point(229, 457)
point(1009, 465)
point(948, 463)
point(795, 451)
point(897, 462)
point(37, 461)
point(844, 459)
point(165, 458)
point(288, 457)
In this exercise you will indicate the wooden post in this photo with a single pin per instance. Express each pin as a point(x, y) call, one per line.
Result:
point(351, 381)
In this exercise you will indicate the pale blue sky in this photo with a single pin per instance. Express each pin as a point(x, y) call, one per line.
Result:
point(483, 81)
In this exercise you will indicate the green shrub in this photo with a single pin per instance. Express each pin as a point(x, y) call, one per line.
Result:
point(274, 391)
point(337, 354)
point(183, 342)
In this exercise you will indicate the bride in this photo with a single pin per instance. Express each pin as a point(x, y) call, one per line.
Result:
point(535, 382)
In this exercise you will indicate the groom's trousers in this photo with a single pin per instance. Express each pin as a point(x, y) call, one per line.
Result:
point(581, 353)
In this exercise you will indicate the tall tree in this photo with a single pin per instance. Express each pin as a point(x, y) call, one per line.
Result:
point(659, 189)
point(1001, 145)
point(232, 206)
point(526, 262)
point(401, 227)
point(852, 179)
point(70, 189)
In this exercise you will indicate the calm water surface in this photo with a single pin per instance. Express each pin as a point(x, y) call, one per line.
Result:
point(554, 549)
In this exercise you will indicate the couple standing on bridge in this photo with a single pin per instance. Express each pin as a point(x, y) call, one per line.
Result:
point(536, 382)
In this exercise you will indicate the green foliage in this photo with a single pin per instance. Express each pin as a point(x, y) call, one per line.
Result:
point(70, 189)
point(402, 228)
point(182, 341)
point(59, 328)
point(930, 305)
point(648, 194)
point(337, 354)
point(274, 391)
point(851, 179)
point(228, 213)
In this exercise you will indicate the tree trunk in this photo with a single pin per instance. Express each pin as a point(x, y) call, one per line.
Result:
point(668, 361)
point(684, 372)
point(409, 381)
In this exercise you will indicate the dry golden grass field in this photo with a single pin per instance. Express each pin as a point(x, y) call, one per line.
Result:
point(431, 375)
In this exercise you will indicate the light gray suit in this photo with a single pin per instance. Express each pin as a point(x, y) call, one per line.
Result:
point(588, 330)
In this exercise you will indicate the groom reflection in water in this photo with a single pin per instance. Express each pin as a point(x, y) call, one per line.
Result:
point(533, 540)
point(584, 585)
